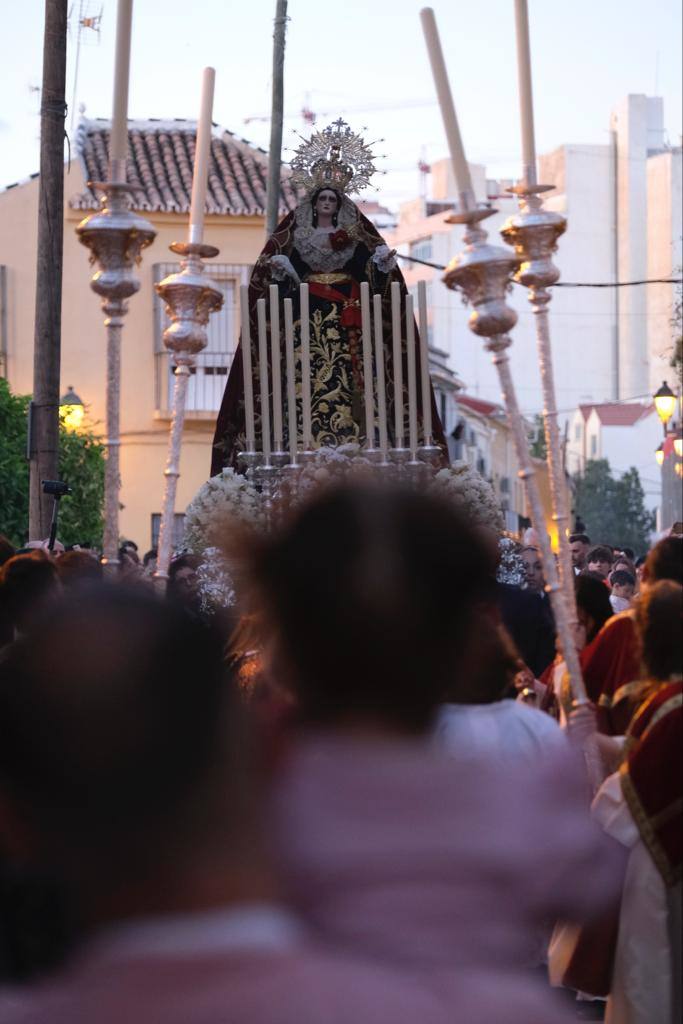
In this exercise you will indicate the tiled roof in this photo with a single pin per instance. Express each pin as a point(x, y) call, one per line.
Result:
point(479, 405)
point(618, 414)
point(159, 169)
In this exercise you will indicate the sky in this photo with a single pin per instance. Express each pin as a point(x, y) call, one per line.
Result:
point(364, 61)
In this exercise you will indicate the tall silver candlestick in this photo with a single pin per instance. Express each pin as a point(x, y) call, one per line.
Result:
point(533, 233)
point(482, 272)
point(190, 298)
point(116, 237)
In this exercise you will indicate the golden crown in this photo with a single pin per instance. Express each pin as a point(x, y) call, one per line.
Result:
point(333, 158)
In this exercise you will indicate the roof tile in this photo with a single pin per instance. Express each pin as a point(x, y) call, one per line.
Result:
point(160, 163)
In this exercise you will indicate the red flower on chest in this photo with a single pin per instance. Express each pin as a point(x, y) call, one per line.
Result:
point(339, 240)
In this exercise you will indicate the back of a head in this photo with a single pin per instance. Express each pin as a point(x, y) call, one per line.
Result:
point(665, 561)
point(368, 592)
point(659, 619)
point(27, 582)
point(592, 597)
point(111, 727)
point(78, 567)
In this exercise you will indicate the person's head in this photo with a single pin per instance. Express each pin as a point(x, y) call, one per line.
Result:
point(27, 583)
point(368, 595)
point(623, 583)
point(579, 544)
point(77, 567)
point(533, 569)
point(326, 203)
point(599, 559)
point(592, 604)
point(622, 564)
point(659, 623)
point(664, 562)
point(114, 762)
point(149, 560)
point(627, 553)
point(182, 579)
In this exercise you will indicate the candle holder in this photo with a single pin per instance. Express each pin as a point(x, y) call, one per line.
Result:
point(116, 237)
point(266, 476)
point(533, 233)
point(190, 297)
point(429, 455)
point(398, 459)
point(251, 460)
point(482, 273)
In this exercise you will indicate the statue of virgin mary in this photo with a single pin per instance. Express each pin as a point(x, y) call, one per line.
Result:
point(327, 243)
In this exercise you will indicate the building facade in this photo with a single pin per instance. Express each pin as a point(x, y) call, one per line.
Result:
point(160, 175)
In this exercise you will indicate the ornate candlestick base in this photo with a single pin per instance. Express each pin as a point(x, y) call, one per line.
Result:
point(116, 237)
point(482, 272)
point(533, 233)
point(190, 298)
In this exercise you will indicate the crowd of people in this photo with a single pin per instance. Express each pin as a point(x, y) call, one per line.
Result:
point(363, 795)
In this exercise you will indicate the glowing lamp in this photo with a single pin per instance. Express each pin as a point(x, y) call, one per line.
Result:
point(665, 403)
point(71, 410)
point(659, 455)
point(678, 445)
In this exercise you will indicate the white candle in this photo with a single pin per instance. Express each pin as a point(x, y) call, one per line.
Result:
point(307, 439)
point(246, 369)
point(366, 322)
point(398, 362)
point(275, 357)
point(450, 120)
point(291, 384)
point(526, 101)
point(118, 139)
point(202, 152)
point(412, 381)
point(263, 378)
point(424, 362)
point(381, 392)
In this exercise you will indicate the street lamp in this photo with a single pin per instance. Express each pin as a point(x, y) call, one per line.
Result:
point(71, 410)
point(665, 403)
point(659, 455)
point(678, 445)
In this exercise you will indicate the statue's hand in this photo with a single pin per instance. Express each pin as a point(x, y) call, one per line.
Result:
point(384, 258)
point(281, 267)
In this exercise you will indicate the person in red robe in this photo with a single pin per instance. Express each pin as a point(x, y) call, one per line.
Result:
point(612, 669)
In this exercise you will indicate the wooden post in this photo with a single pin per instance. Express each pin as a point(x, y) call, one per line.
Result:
point(44, 427)
point(276, 117)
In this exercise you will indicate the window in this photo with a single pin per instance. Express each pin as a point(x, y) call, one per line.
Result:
point(422, 249)
point(178, 529)
point(209, 376)
point(577, 432)
point(594, 445)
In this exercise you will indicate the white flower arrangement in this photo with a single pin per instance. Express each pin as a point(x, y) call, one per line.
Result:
point(222, 500)
point(332, 466)
point(471, 493)
point(215, 582)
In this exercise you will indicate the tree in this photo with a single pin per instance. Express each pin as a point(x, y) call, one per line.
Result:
point(613, 509)
point(81, 465)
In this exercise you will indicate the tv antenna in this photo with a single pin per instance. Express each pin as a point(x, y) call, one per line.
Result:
point(88, 26)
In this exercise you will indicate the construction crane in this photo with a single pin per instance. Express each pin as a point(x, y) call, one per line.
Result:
point(90, 21)
point(310, 116)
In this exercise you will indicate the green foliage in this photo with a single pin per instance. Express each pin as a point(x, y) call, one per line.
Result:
point(81, 465)
point(13, 464)
point(613, 510)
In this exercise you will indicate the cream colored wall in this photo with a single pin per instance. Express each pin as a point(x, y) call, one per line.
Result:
point(143, 435)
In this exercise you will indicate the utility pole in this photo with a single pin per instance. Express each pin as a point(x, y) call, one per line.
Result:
point(44, 411)
point(276, 116)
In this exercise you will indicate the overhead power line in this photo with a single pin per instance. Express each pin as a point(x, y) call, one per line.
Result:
point(566, 284)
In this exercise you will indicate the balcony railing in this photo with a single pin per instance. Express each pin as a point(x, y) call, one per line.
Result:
point(206, 384)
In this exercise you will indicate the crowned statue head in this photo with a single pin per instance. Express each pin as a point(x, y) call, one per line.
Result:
point(334, 159)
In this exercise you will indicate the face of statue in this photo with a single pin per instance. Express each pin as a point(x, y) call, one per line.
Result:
point(326, 205)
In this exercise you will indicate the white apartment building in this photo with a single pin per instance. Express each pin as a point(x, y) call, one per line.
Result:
point(622, 201)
